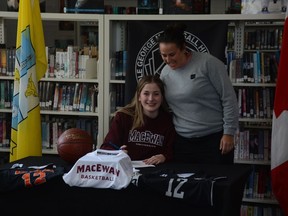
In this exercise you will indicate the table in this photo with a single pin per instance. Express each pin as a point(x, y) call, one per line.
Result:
point(57, 198)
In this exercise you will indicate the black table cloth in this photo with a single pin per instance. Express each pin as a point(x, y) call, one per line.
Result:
point(57, 198)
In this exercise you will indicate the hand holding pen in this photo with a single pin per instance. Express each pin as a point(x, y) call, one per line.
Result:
point(124, 148)
point(116, 147)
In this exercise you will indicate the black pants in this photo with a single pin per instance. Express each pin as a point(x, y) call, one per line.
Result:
point(201, 150)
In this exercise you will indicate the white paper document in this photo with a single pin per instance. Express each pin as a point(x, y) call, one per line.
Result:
point(140, 163)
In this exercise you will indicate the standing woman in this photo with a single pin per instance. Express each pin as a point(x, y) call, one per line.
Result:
point(144, 128)
point(202, 98)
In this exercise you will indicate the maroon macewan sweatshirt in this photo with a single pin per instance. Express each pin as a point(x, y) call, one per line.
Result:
point(156, 137)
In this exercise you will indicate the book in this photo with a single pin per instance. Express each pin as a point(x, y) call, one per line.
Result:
point(232, 70)
point(148, 7)
point(253, 144)
point(70, 62)
point(186, 6)
point(245, 66)
point(41, 94)
point(255, 67)
point(88, 107)
point(125, 63)
point(82, 66)
point(84, 6)
point(268, 104)
point(2, 95)
point(51, 95)
point(71, 97)
point(251, 103)
point(200, 6)
point(11, 53)
point(46, 75)
point(60, 98)
point(119, 65)
point(94, 99)
point(58, 65)
point(3, 61)
point(8, 94)
point(235, 7)
point(244, 108)
point(230, 39)
point(83, 98)
point(177, 7)
point(45, 134)
point(76, 66)
point(95, 133)
point(239, 93)
point(68, 95)
point(55, 136)
point(56, 96)
point(47, 91)
point(76, 98)
point(109, 9)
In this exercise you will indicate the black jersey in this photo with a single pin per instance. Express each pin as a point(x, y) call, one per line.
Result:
point(26, 177)
point(195, 187)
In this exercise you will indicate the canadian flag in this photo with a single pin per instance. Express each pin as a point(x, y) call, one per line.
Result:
point(279, 141)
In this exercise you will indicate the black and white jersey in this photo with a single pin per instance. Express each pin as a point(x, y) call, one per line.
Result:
point(195, 187)
point(20, 176)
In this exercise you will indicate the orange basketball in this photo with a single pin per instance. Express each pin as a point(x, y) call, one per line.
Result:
point(73, 144)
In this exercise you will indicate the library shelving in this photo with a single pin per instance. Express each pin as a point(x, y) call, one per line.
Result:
point(253, 72)
point(59, 115)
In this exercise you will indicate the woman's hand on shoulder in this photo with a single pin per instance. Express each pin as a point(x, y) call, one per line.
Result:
point(154, 160)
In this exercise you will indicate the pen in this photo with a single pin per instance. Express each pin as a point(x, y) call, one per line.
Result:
point(114, 146)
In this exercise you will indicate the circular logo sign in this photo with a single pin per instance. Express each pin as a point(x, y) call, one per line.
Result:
point(149, 61)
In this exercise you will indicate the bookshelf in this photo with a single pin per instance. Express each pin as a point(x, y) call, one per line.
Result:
point(64, 115)
point(253, 74)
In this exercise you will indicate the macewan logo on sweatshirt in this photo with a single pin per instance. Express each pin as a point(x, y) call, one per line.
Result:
point(145, 137)
point(148, 60)
point(84, 168)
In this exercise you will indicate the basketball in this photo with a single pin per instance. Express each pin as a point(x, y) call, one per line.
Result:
point(73, 144)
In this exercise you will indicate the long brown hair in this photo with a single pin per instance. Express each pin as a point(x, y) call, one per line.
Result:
point(135, 109)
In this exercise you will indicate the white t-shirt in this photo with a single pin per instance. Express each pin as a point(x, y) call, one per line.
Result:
point(101, 169)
